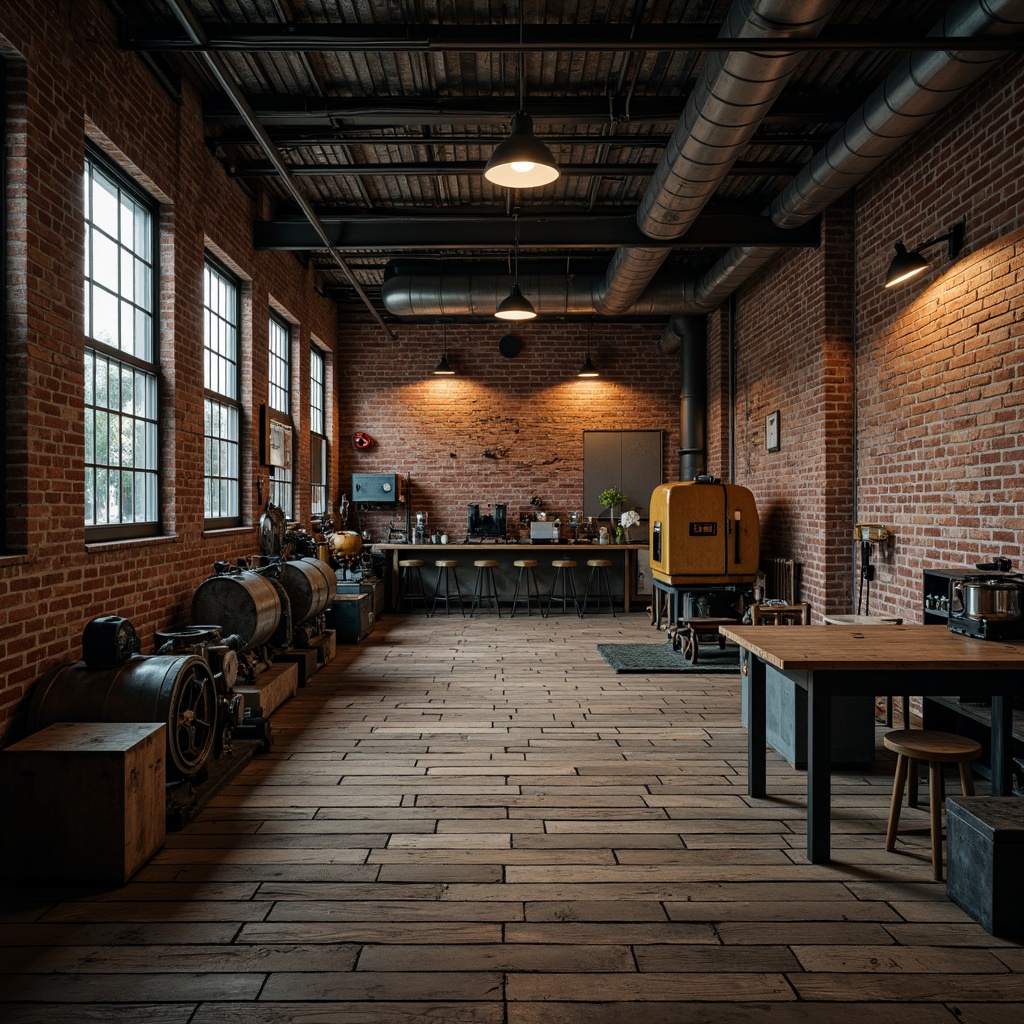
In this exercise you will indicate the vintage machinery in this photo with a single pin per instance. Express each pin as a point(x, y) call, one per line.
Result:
point(486, 525)
point(310, 585)
point(704, 532)
point(178, 690)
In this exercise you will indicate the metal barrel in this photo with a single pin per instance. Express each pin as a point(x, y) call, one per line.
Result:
point(176, 690)
point(310, 585)
point(244, 603)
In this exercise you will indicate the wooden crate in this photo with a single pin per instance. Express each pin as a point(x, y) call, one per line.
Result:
point(83, 801)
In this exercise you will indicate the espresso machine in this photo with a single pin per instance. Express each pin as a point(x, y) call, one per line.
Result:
point(484, 527)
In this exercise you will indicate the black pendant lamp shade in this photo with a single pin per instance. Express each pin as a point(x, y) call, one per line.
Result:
point(515, 306)
point(588, 369)
point(522, 160)
point(444, 368)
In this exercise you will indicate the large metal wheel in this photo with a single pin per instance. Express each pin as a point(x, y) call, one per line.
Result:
point(192, 718)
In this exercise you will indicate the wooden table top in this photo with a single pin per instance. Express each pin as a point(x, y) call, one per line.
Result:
point(912, 647)
point(511, 545)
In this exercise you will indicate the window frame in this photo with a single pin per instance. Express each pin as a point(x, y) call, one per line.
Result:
point(95, 160)
point(281, 478)
point(219, 398)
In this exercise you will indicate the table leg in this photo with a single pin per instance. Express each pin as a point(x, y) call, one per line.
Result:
point(394, 579)
point(627, 578)
point(819, 775)
point(756, 727)
point(1001, 731)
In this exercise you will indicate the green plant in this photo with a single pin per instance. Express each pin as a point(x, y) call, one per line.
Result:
point(611, 497)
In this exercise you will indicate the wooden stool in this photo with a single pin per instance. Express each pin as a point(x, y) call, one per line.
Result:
point(446, 570)
point(406, 594)
point(526, 565)
point(563, 572)
point(937, 748)
point(601, 567)
point(485, 587)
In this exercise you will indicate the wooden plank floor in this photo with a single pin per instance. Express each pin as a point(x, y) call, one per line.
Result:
point(478, 822)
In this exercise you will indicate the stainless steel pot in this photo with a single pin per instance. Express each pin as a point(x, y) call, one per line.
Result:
point(987, 599)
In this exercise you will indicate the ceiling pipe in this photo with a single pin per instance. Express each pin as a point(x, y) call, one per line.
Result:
point(735, 92)
point(922, 86)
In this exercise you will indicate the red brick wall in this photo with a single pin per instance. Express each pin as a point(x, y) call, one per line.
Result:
point(502, 429)
point(66, 78)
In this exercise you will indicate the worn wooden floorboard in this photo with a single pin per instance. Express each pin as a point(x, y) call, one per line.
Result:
point(478, 822)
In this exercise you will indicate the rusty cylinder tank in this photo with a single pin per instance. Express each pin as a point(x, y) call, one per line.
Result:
point(244, 603)
point(175, 690)
point(310, 585)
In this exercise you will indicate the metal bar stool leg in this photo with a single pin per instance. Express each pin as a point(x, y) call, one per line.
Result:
point(563, 573)
point(600, 567)
point(486, 588)
point(527, 566)
point(446, 575)
point(407, 596)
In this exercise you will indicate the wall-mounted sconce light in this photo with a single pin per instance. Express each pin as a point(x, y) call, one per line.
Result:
point(588, 369)
point(522, 160)
point(907, 264)
point(515, 305)
point(444, 368)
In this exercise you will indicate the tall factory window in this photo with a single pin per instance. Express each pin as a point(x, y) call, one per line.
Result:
point(221, 407)
point(279, 402)
point(121, 437)
point(317, 433)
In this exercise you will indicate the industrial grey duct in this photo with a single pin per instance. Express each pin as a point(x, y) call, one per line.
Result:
point(735, 92)
point(919, 88)
point(690, 334)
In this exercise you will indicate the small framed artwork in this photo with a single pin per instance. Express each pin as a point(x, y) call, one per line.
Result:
point(771, 431)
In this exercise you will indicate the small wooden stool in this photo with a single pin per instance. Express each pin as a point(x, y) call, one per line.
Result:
point(937, 748)
point(446, 573)
point(485, 588)
point(527, 566)
point(780, 614)
point(601, 567)
point(409, 569)
point(563, 572)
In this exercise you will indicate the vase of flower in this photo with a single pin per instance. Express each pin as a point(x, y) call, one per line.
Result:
point(610, 498)
point(630, 518)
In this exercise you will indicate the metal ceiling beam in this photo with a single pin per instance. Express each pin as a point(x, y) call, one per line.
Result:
point(621, 140)
point(433, 170)
point(305, 112)
point(650, 38)
point(717, 230)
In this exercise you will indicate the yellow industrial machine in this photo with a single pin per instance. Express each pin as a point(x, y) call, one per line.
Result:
point(704, 532)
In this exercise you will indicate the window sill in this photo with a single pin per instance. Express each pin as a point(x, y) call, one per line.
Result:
point(10, 561)
point(227, 531)
point(101, 547)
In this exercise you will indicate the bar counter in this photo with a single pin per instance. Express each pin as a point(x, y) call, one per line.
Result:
point(622, 556)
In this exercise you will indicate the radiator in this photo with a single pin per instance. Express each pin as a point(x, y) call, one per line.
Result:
point(782, 579)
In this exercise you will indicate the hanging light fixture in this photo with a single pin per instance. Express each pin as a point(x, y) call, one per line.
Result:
point(444, 368)
point(522, 160)
point(515, 305)
point(909, 263)
point(588, 369)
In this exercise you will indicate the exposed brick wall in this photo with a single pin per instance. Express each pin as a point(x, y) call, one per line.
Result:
point(502, 429)
point(66, 78)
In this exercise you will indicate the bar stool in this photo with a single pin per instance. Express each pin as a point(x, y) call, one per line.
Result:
point(527, 565)
point(599, 566)
point(563, 573)
point(446, 571)
point(410, 569)
point(937, 748)
point(485, 589)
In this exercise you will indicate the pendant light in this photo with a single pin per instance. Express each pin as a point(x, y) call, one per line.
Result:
point(909, 263)
point(522, 160)
point(515, 305)
point(444, 368)
point(588, 369)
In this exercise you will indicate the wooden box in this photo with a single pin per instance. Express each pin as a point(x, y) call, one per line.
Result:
point(351, 617)
point(83, 801)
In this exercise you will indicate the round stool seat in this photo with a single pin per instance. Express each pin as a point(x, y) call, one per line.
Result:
point(447, 563)
point(526, 563)
point(599, 563)
point(411, 563)
point(565, 563)
point(928, 745)
point(486, 563)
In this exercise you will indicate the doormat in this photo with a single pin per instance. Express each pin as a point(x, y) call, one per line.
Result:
point(651, 658)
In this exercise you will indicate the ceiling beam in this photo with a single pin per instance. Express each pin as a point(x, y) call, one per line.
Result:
point(434, 170)
point(650, 38)
point(276, 111)
point(390, 233)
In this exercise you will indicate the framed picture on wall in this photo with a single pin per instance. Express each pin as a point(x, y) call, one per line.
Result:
point(771, 431)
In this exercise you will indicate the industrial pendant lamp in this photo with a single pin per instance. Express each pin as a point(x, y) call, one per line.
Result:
point(909, 263)
point(515, 305)
point(522, 160)
point(444, 368)
point(588, 369)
